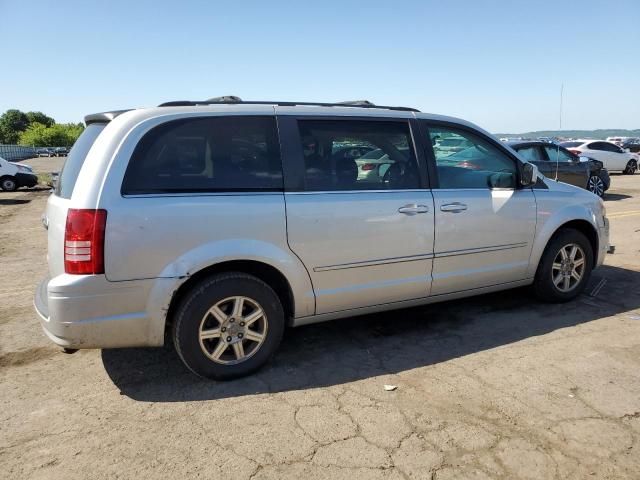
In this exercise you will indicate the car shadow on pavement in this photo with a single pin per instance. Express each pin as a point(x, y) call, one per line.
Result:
point(13, 201)
point(351, 349)
point(615, 196)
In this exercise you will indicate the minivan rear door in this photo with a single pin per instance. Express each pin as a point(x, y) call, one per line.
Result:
point(362, 226)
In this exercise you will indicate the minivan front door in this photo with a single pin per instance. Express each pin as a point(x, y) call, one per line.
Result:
point(484, 225)
point(362, 226)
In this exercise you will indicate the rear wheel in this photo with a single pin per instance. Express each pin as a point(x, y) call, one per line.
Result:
point(565, 267)
point(8, 184)
point(228, 326)
point(631, 167)
point(595, 185)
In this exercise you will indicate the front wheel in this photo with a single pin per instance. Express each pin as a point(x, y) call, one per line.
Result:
point(631, 167)
point(595, 185)
point(228, 326)
point(8, 184)
point(565, 267)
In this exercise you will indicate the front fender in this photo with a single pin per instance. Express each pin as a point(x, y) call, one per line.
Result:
point(550, 219)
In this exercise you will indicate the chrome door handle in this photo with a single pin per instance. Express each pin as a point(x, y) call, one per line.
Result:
point(455, 207)
point(412, 209)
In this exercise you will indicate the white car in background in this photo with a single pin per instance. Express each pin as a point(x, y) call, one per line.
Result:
point(373, 166)
point(617, 140)
point(16, 175)
point(614, 158)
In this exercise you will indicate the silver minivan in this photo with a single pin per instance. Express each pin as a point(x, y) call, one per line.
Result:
point(217, 224)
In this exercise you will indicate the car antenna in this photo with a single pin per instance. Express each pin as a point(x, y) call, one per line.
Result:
point(557, 144)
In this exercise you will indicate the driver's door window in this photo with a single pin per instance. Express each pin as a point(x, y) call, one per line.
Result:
point(464, 160)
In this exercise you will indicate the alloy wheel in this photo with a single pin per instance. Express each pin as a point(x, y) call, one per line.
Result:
point(632, 166)
point(596, 185)
point(233, 330)
point(568, 267)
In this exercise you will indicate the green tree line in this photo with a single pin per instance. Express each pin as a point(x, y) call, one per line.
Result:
point(36, 129)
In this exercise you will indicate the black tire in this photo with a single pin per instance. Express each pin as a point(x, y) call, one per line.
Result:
point(8, 184)
point(543, 285)
point(190, 315)
point(595, 185)
point(631, 167)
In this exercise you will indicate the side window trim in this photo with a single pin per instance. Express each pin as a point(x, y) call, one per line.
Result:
point(291, 152)
point(426, 124)
point(293, 156)
point(543, 153)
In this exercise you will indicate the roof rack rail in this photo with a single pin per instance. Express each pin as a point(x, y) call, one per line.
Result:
point(234, 100)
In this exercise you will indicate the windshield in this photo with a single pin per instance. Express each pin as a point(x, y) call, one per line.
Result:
point(75, 160)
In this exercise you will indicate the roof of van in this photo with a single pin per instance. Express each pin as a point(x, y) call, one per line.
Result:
point(358, 108)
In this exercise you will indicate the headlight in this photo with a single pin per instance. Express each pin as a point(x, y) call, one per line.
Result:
point(25, 168)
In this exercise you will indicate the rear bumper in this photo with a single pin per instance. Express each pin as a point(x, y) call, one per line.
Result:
point(88, 311)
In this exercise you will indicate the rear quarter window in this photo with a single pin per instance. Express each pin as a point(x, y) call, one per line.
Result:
point(213, 154)
point(72, 166)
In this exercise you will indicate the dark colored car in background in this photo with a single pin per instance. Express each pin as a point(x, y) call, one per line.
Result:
point(60, 152)
point(44, 152)
point(632, 145)
point(558, 163)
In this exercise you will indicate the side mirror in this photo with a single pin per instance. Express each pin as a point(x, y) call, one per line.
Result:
point(529, 175)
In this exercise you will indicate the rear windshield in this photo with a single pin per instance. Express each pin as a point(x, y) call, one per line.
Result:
point(75, 159)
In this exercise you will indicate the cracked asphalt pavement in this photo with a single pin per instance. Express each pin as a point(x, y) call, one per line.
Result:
point(497, 386)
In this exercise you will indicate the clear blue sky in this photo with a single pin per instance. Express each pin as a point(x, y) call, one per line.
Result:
point(497, 63)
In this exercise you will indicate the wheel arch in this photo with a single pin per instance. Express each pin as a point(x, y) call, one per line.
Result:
point(265, 272)
point(583, 226)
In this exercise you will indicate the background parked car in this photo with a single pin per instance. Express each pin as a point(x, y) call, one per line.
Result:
point(447, 146)
point(557, 162)
point(60, 152)
point(632, 145)
point(374, 166)
point(617, 140)
point(44, 152)
point(614, 158)
point(15, 175)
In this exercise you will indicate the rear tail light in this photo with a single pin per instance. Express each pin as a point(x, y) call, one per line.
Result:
point(368, 166)
point(84, 241)
point(575, 151)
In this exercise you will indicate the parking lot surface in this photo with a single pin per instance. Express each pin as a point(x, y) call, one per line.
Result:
point(497, 386)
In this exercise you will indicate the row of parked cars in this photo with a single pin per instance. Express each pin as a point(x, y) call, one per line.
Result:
point(583, 162)
point(52, 152)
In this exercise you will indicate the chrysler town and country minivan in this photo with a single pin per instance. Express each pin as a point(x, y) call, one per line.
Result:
point(217, 224)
